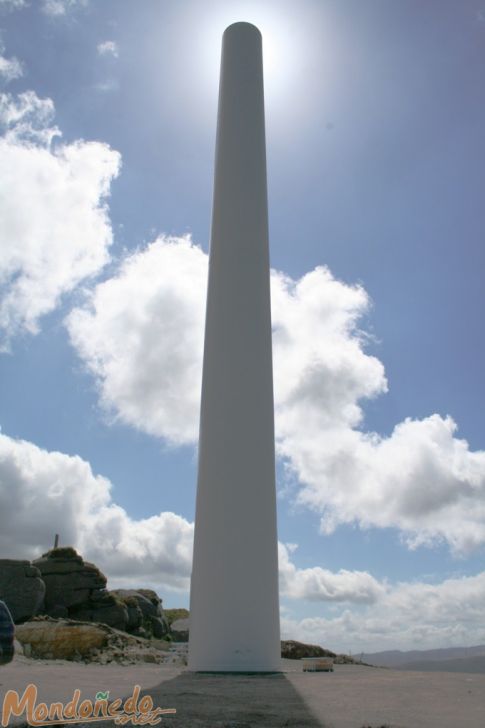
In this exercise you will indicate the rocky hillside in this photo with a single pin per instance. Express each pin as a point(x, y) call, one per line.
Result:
point(60, 584)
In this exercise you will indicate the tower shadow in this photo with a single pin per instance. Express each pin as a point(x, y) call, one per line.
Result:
point(205, 700)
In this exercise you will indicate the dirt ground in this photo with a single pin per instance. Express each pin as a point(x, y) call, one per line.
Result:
point(350, 697)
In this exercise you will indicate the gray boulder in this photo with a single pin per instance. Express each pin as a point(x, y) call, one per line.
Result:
point(135, 614)
point(150, 607)
point(102, 607)
point(69, 581)
point(153, 598)
point(160, 628)
point(157, 604)
point(59, 612)
point(147, 608)
point(21, 588)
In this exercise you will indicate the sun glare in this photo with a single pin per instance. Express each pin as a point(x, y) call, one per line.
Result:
point(292, 51)
point(279, 41)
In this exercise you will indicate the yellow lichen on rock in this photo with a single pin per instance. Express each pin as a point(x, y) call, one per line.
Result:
point(59, 639)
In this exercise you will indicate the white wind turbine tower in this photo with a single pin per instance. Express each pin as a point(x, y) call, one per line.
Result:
point(234, 607)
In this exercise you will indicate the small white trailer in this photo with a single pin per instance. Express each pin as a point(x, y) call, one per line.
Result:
point(317, 664)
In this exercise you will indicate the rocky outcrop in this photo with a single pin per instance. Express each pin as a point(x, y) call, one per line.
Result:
point(61, 585)
point(135, 614)
point(159, 628)
point(102, 607)
point(66, 639)
point(77, 589)
point(145, 610)
point(69, 580)
point(21, 588)
point(159, 625)
point(60, 639)
point(134, 596)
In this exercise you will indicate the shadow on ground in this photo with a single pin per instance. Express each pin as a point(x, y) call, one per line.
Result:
point(235, 701)
point(231, 701)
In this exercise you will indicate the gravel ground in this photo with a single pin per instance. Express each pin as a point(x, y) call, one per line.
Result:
point(350, 697)
point(355, 696)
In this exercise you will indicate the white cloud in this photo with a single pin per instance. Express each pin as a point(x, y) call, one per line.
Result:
point(26, 118)
point(313, 342)
point(141, 335)
point(108, 48)
point(59, 8)
point(320, 363)
point(43, 493)
point(321, 585)
point(13, 4)
point(108, 86)
point(407, 616)
point(422, 479)
point(10, 68)
point(54, 222)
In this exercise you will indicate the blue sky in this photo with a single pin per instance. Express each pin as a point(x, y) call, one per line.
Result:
point(375, 117)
